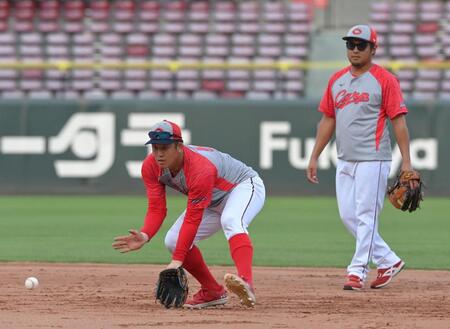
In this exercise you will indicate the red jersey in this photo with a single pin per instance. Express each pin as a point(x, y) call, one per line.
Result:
point(206, 178)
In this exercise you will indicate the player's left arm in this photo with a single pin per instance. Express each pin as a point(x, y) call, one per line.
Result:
point(199, 198)
point(396, 110)
point(402, 136)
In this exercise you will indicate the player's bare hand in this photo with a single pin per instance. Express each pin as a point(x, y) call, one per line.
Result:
point(133, 241)
point(413, 184)
point(174, 264)
point(311, 172)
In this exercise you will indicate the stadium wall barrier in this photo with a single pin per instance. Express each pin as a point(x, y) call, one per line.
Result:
point(98, 146)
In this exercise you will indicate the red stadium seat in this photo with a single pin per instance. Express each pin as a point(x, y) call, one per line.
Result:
point(213, 85)
point(431, 27)
point(137, 51)
point(99, 10)
point(232, 94)
point(139, 31)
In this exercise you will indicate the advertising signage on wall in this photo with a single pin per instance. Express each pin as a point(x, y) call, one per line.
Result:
point(100, 148)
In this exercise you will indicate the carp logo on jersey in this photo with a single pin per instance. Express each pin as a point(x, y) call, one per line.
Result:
point(343, 98)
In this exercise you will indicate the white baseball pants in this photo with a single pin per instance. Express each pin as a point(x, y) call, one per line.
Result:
point(233, 215)
point(360, 191)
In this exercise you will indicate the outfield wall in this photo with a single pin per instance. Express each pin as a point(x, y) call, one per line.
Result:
point(97, 147)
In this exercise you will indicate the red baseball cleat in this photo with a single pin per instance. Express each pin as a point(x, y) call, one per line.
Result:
point(385, 275)
point(241, 288)
point(205, 298)
point(354, 282)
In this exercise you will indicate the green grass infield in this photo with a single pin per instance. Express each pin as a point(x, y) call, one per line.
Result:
point(290, 231)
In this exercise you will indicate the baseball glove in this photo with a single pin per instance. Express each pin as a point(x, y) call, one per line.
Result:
point(402, 195)
point(172, 287)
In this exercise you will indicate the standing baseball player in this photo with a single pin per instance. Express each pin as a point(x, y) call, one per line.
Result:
point(357, 104)
point(223, 193)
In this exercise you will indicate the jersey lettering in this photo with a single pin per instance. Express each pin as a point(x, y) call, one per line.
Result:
point(343, 98)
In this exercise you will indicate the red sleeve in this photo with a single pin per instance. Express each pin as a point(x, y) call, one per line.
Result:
point(392, 98)
point(327, 103)
point(199, 198)
point(156, 196)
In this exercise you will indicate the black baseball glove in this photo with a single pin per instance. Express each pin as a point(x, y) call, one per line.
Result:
point(172, 287)
point(406, 193)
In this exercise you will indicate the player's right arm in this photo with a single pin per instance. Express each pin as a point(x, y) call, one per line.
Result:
point(325, 130)
point(156, 210)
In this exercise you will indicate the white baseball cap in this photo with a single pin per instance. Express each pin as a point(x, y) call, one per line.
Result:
point(164, 132)
point(363, 32)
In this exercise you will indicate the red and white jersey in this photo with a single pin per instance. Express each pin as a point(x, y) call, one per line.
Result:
point(206, 178)
point(361, 106)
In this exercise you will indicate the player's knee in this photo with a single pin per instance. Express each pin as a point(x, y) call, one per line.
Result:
point(231, 226)
point(170, 241)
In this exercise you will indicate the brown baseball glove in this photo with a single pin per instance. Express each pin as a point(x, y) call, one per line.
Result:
point(172, 287)
point(406, 193)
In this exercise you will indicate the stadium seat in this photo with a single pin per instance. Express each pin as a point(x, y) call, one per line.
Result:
point(101, 31)
point(424, 96)
point(135, 85)
point(258, 95)
point(149, 94)
point(12, 94)
point(405, 16)
point(238, 85)
point(122, 94)
point(40, 94)
point(95, 94)
point(204, 95)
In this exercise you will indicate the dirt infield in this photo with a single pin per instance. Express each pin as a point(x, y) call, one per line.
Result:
point(120, 296)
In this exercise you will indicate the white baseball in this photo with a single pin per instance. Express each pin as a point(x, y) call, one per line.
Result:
point(31, 282)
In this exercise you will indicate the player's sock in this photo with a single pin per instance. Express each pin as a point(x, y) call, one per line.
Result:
point(241, 250)
point(195, 264)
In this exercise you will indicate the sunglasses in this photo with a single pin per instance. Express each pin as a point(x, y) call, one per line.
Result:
point(361, 46)
point(162, 135)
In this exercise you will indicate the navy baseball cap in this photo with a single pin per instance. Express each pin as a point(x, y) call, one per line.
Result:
point(363, 32)
point(164, 132)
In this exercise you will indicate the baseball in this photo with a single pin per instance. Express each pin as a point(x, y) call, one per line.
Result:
point(31, 283)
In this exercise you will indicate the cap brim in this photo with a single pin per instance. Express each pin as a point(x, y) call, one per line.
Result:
point(161, 141)
point(347, 38)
